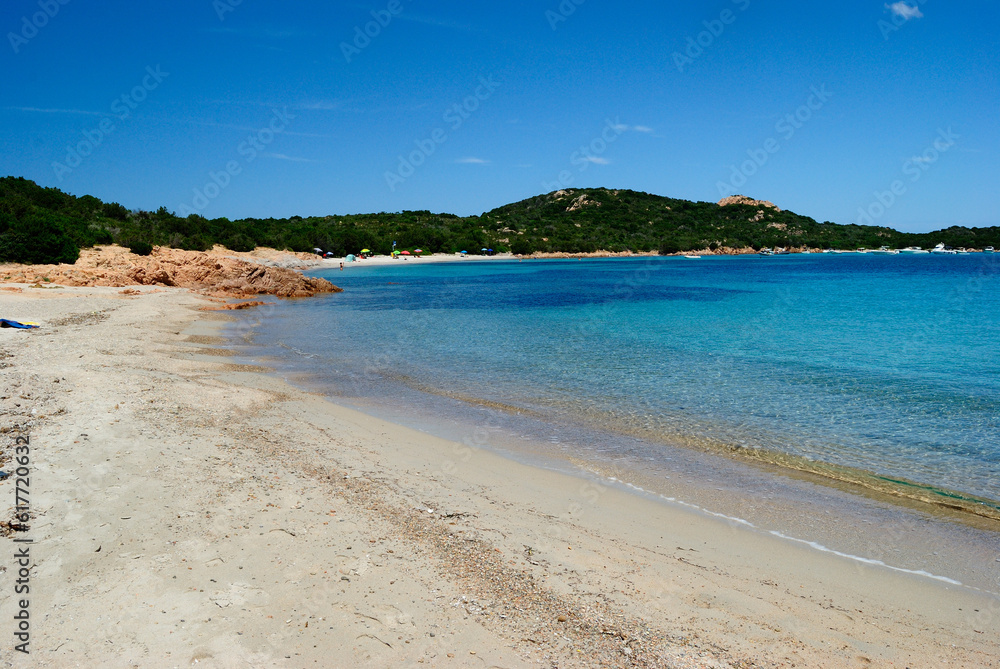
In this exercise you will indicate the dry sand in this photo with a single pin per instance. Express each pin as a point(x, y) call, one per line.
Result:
point(187, 511)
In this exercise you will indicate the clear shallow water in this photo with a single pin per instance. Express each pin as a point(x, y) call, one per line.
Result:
point(889, 364)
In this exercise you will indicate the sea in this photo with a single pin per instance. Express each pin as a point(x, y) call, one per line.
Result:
point(850, 402)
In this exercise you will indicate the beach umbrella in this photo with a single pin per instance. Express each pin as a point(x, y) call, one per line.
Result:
point(404, 253)
point(366, 250)
point(418, 250)
point(464, 251)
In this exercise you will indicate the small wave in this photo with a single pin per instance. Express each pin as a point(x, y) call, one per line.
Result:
point(296, 351)
point(812, 544)
point(878, 563)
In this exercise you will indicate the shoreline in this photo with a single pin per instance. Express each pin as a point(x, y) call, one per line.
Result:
point(728, 485)
point(195, 507)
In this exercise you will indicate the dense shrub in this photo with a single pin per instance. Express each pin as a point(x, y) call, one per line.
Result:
point(139, 247)
point(34, 240)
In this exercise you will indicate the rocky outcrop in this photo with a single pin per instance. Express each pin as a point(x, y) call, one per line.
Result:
point(581, 202)
point(743, 199)
point(218, 272)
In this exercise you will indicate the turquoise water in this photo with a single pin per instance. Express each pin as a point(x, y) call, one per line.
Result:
point(889, 364)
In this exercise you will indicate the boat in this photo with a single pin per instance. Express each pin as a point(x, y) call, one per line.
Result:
point(913, 250)
point(941, 249)
point(988, 249)
point(692, 257)
point(862, 250)
point(766, 252)
point(884, 251)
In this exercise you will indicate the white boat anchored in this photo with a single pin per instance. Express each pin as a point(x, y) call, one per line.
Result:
point(913, 250)
point(941, 249)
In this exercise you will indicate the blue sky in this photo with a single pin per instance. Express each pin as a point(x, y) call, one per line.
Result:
point(246, 108)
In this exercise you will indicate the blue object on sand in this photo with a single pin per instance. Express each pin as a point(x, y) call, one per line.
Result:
point(4, 323)
point(4, 475)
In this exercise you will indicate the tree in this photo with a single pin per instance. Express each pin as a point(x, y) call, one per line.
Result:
point(38, 240)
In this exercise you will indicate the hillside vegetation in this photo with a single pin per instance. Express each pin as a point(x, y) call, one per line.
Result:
point(45, 225)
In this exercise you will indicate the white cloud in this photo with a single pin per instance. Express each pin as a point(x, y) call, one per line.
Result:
point(57, 111)
point(598, 160)
point(905, 11)
point(322, 105)
point(294, 159)
point(622, 127)
point(472, 161)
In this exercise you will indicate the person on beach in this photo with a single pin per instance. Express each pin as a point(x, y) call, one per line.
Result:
point(341, 265)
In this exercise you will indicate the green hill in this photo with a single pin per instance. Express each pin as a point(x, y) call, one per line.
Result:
point(46, 225)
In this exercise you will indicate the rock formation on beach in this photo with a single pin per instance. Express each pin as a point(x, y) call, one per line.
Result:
point(218, 272)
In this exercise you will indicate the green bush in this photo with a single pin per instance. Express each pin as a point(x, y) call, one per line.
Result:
point(34, 240)
point(240, 244)
point(139, 247)
point(103, 236)
point(521, 247)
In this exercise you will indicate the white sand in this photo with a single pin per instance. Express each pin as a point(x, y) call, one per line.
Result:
point(191, 512)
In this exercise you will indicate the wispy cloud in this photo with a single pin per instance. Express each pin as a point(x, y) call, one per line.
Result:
point(294, 159)
point(248, 128)
point(322, 105)
point(37, 110)
point(255, 31)
point(597, 160)
point(472, 161)
point(410, 16)
point(437, 23)
point(622, 127)
point(905, 11)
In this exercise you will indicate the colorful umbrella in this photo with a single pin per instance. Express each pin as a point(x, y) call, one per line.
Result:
point(404, 253)
point(366, 250)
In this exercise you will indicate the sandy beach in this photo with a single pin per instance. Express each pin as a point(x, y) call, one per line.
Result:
point(189, 511)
